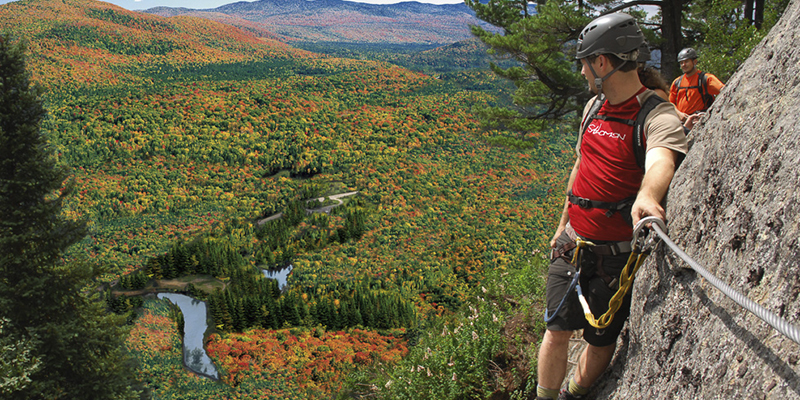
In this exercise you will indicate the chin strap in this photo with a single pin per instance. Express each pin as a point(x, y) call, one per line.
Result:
point(598, 82)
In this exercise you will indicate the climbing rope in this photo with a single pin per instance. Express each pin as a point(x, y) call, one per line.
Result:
point(635, 260)
point(783, 326)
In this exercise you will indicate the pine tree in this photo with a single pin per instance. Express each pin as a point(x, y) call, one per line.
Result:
point(153, 268)
point(251, 315)
point(79, 343)
point(269, 318)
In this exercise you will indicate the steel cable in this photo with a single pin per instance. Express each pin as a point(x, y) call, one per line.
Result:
point(785, 327)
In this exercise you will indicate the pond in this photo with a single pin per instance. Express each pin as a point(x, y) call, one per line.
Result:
point(194, 316)
point(280, 275)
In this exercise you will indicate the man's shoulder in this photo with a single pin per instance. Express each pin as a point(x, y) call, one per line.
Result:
point(591, 103)
point(656, 107)
point(709, 77)
point(647, 94)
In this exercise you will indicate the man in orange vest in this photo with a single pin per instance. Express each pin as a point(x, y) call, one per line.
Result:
point(694, 91)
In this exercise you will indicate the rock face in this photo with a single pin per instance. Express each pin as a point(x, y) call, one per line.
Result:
point(734, 206)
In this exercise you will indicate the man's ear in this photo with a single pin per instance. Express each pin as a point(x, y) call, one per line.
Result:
point(602, 61)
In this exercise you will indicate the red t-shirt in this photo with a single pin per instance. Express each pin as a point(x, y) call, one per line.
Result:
point(608, 172)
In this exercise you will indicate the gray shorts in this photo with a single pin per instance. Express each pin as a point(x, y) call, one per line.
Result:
point(595, 289)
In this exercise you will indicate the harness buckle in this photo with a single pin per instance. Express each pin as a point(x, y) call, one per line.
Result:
point(584, 202)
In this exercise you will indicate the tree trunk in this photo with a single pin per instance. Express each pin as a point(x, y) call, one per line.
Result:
point(671, 13)
point(758, 19)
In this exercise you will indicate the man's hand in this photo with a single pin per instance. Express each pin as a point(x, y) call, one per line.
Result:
point(559, 231)
point(647, 207)
point(681, 115)
point(691, 120)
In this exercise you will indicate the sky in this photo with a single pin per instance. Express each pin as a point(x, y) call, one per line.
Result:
point(204, 4)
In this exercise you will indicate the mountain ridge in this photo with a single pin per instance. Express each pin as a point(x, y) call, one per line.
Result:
point(344, 21)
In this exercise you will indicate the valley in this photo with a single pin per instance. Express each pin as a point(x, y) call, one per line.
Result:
point(183, 133)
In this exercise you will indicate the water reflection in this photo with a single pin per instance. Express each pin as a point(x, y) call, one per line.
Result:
point(194, 317)
point(280, 275)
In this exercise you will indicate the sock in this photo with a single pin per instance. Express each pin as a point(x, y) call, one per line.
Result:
point(575, 389)
point(543, 393)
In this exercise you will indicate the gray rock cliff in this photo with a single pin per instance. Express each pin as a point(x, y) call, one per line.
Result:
point(734, 206)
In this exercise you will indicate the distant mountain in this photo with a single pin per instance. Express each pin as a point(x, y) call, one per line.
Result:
point(343, 21)
point(87, 42)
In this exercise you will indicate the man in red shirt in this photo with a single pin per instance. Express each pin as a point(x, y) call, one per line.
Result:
point(694, 91)
point(606, 191)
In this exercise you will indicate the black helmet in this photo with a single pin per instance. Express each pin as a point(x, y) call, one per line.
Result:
point(616, 34)
point(687, 54)
point(644, 53)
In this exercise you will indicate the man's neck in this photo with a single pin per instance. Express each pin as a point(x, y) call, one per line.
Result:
point(622, 86)
point(691, 73)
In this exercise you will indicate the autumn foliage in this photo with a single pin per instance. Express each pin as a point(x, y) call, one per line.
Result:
point(183, 135)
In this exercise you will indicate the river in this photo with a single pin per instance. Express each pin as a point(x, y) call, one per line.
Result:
point(194, 317)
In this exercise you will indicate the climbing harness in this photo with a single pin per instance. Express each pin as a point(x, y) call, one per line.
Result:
point(781, 325)
point(640, 249)
point(641, 246)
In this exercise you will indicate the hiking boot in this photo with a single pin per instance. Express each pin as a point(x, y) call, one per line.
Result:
point(566, 395)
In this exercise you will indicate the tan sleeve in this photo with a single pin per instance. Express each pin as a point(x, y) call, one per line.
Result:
point(663, 129)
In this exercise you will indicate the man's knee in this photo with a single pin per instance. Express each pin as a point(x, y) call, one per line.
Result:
point(557, 337)
point(601, 350)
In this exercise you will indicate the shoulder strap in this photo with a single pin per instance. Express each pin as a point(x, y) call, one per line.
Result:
point(638, 123)
point(592, 114)
point(702, 81)
point(638, 128)
point(677, 83)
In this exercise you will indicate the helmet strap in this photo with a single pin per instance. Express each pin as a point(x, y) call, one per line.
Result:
point(598, 82)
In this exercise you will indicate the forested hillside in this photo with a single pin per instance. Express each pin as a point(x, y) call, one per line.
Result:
point(182, 134)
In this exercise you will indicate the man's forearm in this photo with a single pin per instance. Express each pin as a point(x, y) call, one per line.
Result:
point(565, 212)
point(660, 168)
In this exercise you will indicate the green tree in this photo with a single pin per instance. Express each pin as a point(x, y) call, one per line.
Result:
point(549, 87)
point(724, 32)
point(17, 363)
point(44, 299)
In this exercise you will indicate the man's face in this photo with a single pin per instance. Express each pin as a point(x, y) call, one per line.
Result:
point(587, 73)
point(687, 66)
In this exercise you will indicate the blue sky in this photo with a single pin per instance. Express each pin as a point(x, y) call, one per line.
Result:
point(204, 4)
